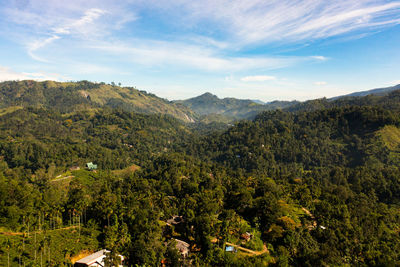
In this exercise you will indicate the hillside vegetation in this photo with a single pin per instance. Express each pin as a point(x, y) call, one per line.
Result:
point(316, 185)
point(83, 95)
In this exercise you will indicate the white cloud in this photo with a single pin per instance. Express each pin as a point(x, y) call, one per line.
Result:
point(396, 82)
point(6, 74)
point(79, 26)
point(229, 78)
point(320, 58)
point(206, 35)
point(257, 78)
point(152, 54)
point(35, 45)
point(82, 20)
point(253, 21)
point(320, 83)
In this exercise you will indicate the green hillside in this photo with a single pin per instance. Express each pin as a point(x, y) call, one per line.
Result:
point(35, 138)
point(74, 96)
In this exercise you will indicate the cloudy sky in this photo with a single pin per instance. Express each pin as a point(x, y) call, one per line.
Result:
point(259, 49)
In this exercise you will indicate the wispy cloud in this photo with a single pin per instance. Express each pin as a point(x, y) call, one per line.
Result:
point(396, 82)
point(79, 26)
point(320, 83)
point(234, 23)
point(7, 74)
point(258, 78)
point(35, 45)
point(320, 58)
point(77, 19)
point(291, 20)
point(174, 54)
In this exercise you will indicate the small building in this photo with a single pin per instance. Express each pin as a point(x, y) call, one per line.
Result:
point(246, 236)
point(74, 168)
point(91, 166)
point(183, 247)
point(230, 249)
point(96, 259)
point(175, 220)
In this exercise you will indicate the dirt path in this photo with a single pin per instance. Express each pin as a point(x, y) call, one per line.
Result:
point(63, 178)
point(253, 252)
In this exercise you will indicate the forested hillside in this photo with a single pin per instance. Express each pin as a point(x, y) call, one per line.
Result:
point(316, 185)
point(213, 108)
point(74, 96)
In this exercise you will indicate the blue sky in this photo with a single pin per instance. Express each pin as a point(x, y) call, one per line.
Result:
point(259, 49)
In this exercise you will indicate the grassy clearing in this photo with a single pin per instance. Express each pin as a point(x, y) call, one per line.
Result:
point(390, 135)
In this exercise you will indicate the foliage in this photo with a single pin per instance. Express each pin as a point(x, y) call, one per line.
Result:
point(318, 187)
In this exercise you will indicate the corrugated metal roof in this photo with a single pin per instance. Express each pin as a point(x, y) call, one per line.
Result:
point(93, 257)
point(229, 248)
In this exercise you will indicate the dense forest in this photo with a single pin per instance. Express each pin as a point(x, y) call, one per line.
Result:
point(316, 184)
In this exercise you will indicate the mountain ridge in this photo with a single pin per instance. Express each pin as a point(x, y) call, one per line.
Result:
point(72, 96)
point(208, 104)
point(376, 91)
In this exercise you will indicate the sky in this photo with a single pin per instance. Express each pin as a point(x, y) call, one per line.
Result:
point(176, 49)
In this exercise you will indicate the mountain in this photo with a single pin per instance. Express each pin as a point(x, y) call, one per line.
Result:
point(231, 108)
point(388, 101)
point(258, 101)
point(377, 91)
point(72, 96)
point(208, 103)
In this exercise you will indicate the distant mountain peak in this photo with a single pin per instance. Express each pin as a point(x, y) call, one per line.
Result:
point(206, 95)
point(229, 107)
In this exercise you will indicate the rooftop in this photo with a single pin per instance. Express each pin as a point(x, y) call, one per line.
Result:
point(93, 257)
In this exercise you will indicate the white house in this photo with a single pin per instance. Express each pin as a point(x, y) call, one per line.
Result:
point(96, 259)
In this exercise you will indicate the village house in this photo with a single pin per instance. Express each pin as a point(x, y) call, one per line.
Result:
point(246, 236)
point(230, 249)
point(95, 260)
point(183, 247)
point(75, 168)
point(175, 220)
point(91, 166)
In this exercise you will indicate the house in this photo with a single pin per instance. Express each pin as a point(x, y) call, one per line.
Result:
point(75, 168)
point(246, 236)
point(175, 220)
point(96, 259)
point(183, 247)
point(230, 249)
point(91, 166)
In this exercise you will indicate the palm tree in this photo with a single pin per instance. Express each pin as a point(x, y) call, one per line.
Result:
point(8, 247)
point(41, 248)
point(48, 241)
